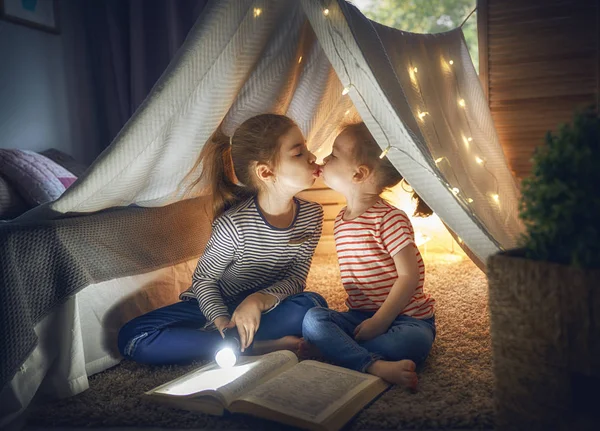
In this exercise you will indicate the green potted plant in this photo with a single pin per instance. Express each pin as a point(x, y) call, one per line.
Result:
point(545, 296)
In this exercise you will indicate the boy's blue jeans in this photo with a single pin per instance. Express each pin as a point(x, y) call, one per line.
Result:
point(174, 334)
point(332, 332)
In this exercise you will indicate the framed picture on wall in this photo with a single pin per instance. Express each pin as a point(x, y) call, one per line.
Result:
point(39, 14)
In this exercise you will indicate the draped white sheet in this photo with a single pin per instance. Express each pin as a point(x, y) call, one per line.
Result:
point(248, 57)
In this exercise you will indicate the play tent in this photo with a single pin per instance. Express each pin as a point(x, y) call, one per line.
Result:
point(126, 236)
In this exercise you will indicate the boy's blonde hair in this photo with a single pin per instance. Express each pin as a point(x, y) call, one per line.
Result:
point(366, 152)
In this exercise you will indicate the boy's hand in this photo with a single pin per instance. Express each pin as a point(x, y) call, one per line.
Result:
point(246, 318)
point(370, 329)
point(221, 323)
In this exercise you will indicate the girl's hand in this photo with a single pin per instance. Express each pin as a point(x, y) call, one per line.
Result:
point(221, 323)
point(246, 318)
point(370, 329)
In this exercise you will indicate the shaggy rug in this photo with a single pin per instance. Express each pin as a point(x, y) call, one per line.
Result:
point(455, 385)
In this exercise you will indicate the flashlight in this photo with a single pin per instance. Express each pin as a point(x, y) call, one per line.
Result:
point(229, 349)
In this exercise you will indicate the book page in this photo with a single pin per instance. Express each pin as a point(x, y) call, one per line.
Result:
point(256, 372)
point(228, 383)
point(311, 390)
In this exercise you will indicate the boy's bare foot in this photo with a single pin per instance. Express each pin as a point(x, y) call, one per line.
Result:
point(398, 372)
point(289, 342)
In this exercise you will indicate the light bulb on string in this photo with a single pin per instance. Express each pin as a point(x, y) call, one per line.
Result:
point(439, 160)
point(470, 200)
point(257, 12)
point(496, 198)
point(451, 62)
point(479, 160)
point(462, 103)
point(455, 190)
point(422, 115)
point(300, 60)
point(345, 91)
point(326, 12)
point(412, 74)
point(347, 112)
point(384, 152)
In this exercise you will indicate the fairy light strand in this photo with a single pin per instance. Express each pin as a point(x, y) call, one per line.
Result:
point(470, 140)
point(428, 169)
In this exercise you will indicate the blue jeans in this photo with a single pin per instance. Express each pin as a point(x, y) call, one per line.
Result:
point(174, 334)
point(332, 332)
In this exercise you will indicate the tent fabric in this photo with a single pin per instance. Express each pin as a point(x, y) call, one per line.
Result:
point(418, 94)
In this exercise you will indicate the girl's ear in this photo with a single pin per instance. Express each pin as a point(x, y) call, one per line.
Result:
point(264, 173)
point(361, 174)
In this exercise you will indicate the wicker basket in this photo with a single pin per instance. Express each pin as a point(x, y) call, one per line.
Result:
point(545, 324)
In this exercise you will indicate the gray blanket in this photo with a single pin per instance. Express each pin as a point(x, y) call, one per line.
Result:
point(42, 263)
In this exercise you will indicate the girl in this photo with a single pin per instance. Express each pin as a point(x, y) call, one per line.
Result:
point(389, 327)
point(253, 271)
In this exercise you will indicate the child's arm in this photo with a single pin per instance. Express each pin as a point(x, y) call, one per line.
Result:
point(400, 294)
point(395, 234)
point(218, 254)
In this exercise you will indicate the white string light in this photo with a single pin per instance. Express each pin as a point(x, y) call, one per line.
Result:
point(257, 12)
point(300, 60)
point(384, 152)
point(345, 91)
point(326, 12)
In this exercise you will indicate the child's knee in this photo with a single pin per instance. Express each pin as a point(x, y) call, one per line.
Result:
point(126, 333)
point(129, 335)
point(313, 320)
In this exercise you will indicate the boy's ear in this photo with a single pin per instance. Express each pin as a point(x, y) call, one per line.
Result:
point(264, 172)
point(361, 174)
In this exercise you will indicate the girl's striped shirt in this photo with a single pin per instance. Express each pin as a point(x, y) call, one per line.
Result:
point(365, 247)
point(246, 254)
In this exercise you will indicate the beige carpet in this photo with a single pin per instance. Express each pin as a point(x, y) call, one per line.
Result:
point(455, 386)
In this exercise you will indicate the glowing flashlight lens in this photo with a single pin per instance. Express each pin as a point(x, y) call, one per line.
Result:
point(225, 358)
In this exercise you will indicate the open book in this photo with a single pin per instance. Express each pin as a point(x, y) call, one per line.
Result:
point(275, 386)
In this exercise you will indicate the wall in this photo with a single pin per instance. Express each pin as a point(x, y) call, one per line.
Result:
point(38, 107)
point(539, 62)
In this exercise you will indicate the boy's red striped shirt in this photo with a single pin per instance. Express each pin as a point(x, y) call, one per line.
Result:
point(365, 248)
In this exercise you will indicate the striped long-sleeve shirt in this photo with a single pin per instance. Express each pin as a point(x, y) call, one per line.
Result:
point(366, 246)
point(246, 254)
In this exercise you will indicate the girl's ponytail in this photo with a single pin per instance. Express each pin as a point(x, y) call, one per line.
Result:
point(218, 176)
point(228, 163)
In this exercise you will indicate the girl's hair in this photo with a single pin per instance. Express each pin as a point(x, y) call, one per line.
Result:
point(228, 163)
point(367, 152)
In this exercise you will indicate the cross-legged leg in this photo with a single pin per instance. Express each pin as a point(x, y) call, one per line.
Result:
point(168, 335)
